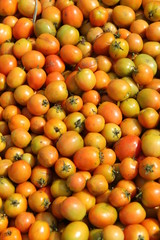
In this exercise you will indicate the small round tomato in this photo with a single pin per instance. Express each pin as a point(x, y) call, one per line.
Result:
point(60, 89)
point(111, 132)
point(111, 232)
point(59, 188)
point(39, 230)
point(86, 198)
point(43, 25)
point(72, 209)
point(123, 15)
point(38, 201)
point(67, 34)
point(53, 14)
point(7, 63)
point(97, 215)
point(54, 128)
point(69, 143)
point(97, 185)
point(76, 182)
point(64, 167)
point(23, 221)
point(75, 230)
point(98, 16)
point(134, 231)
point(38, 142)
point(10, 233)
point(41, 176)
point(129, 168)
point(19, 171)
point(128, 146)
point(54, 63)
point(74, 56)
point(6, 33)
point(136, 212)
point(38, 104)
point(15, 204)
point(33, 59)
point(87, 158)
point(25, 188)
point(73, 16)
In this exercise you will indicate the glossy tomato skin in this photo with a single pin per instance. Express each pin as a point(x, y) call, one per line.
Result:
point(128, 146)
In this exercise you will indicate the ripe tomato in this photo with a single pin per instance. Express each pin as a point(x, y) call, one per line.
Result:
point(11, 233)
point(8, 62)
point(86, 7)
point(76, 182)
point(75, 54)
point(39, 230)
point(19, 171)
point(128, 146)
point(33, 59)
point(6, 33)
point(59, 188)
point(15, 204)
point(69, 143)
point(54, 128)
point(38, 201)
point(72, 15)
point(38, 142)
point(97, 215)
point(134, 231)
point(119, 48)
point(67, 34)
point(25, 188)
point(98, 16)
point(123, 16)
point(60, 91)
point(53, 14)
point(64, 167)
point(75, 230)
point(47, 44)
point(150, 190)
point(132, 213)
point(41, 176)
point(97, 185)
point(111, 112)
point(23, 221)
point(72, 209)
point(38, 104)
point(87, 158)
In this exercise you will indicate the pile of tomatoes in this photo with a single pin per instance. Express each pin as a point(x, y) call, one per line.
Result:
point(80, 120)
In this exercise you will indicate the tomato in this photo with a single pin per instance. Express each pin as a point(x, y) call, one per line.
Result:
point(73, 16)
point(151, 48)
point(7, 188)
point(129, 168)
point(119, 48)
point(64, 167)
point(38, 142)
point(150, 190)
point(18, 120)
point(130, 108)
point(8, 7)
point(132, 213)
point(54, 63)
point(4, 165)
point(49, 218)
point(92, 33)
point(22, 94)
point(19, 171)
point(11, 233)
point(33, 59)
point(107, 171)
point(38, 104)
point(134, 231)
point(39, 230)
point(85, 47)
point(67, 34)
point(150, 145)
point(152, 226)
point(102, 43)
point(108, 156)
point(131, 147)
point(47, 156)
point(146, 59)
point(23, 28)
point(76, 182)
point(91, 96)
point(98, 16)
point(55, 207)
point(112, 232)
point(152, 11)
point(59, 188)
point(97, 185)
point(76, 230)
point(123, 67)
point(82, 156)
point(151, 115)
point(25, 188)
point(38, 201)
point(148, 97)
point(54, 128)
point(60, 91)
point(72, 209)
point(69, 143)
point(95, 233)
point(8, 62)
point(23, 221)
point(90, 79)
point(75, 54)
point(43, 25)
point(6, 33)
point(111, 112)
point(135, 5)
point(129, 185)
point(41, 176)
point(15, 204)
point(53, 14)
point(86, 7)
point(123, 15)
point(98, 218)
